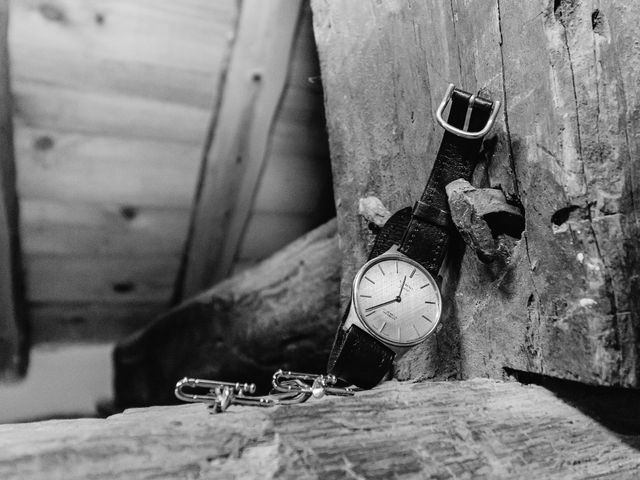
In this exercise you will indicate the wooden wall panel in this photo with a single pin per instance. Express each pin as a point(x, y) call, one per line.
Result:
point(112, 102)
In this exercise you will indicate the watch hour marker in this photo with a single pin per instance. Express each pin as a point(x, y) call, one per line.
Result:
point(425, 317)
point(365, 296)
point(380, 267)
point(432, 303)
point(370, 313)
point(424, 286)
point(370, 280)
point(382, 326)
point(415, 328)
point(412, 273)
point(399, 334)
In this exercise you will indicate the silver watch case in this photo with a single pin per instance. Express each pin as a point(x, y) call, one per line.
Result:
point(355, 316)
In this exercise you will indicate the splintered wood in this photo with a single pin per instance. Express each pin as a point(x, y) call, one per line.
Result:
point(471, 429)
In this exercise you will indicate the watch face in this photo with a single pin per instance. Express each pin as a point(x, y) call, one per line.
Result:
point(397, 300)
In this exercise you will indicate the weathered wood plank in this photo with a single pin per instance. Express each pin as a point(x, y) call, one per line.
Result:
point(565, 304)
point(126, 170)
point(471, 429)
point(44, 106)
point(278, 314)
point(188, 35)
point(84, 279)
point(108, 230)
point(240, 138)
point(85, 322)
point(14, 348)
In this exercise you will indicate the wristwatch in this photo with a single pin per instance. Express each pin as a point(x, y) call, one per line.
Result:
point(395, 300)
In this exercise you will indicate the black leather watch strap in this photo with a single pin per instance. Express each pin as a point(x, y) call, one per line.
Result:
point(426, 238)
point(359, 359)
point(422, 232)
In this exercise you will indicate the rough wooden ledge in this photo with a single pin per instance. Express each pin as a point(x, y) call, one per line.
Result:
point(470, 429)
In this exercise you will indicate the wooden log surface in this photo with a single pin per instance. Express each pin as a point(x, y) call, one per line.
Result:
point(565, 303)
point(279, 314)
point(471, 429)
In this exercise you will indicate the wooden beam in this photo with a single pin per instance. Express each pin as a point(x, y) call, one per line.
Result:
point(13, 339)
point(254, 86)
point(473, 429)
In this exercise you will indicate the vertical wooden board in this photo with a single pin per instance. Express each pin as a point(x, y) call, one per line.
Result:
point(297, 172)
point(13, 329)
point(562, 304)
point(240, 140)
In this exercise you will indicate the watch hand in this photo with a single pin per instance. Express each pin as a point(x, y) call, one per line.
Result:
point(402, 287)
point(382, 304)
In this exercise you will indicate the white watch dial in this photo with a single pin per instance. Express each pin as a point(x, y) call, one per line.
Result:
point(397, 300)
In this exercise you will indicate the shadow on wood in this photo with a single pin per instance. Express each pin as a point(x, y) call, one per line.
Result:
point(279, 314)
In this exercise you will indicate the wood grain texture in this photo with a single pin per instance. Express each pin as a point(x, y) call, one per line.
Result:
point(240, 138)
point(62, 323)
point(14, 348)
point(97, 168)
point(106, 279)
point(111, 104)
point(472, 429)
point(102, 230)
point(158, 50)
point(278, 314)
point(566, 302)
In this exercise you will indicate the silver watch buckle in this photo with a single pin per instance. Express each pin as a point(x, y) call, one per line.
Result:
point(464, 133)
